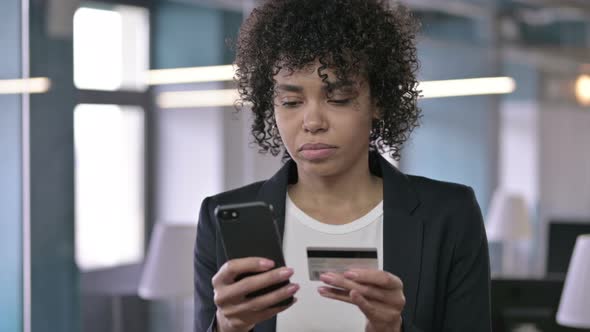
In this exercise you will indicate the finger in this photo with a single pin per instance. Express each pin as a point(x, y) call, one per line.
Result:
point(240, 318)
point(236, 292)
point(235, 267)
point(372, 292)
point(338, 280)
point(269, 313)
point(378, 278)
point(394, 299)
point(263, 303)
point(376, 293)
point(347, 296)
point(335, 293)
point(260, 281)
point(374, 311)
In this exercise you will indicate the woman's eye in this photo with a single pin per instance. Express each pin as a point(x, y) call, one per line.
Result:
point(289, 103)
point(340, 101)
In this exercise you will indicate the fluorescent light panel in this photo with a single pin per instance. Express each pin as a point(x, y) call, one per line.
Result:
point(467, 87)
point(201, 98)
point(191, 75)
point(430, 89)
point(25, 85)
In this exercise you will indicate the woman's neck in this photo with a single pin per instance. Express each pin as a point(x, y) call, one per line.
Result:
point(353, 193)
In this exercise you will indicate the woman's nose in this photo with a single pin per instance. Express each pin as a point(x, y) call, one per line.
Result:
point(314, 119)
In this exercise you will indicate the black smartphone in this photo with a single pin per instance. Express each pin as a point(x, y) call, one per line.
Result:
point(249, 230)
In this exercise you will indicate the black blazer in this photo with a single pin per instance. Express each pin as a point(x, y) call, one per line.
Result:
point(433, 239)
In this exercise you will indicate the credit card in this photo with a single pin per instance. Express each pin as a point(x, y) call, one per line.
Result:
point(339, 260)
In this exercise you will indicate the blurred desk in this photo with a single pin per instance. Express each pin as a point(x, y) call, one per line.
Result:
point(110, 301)
point(526, 305)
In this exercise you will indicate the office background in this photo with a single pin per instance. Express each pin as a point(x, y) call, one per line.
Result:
point(94, 155)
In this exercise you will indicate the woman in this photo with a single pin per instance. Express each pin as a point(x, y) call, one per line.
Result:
point(332, 83)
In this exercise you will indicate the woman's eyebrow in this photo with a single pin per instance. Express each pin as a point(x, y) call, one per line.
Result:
point(339, 85)
point(328, 86)
point(289, 88)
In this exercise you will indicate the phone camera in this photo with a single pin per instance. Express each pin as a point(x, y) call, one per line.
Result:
point(230, 215)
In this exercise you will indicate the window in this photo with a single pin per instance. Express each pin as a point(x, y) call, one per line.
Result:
point(111, 48)
point(111, 59)
point(109, 157)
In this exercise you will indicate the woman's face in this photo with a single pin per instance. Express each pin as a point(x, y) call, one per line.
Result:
point(325, 126)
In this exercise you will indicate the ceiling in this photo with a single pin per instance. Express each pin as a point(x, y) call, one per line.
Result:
point(529, 23)
point(465, 7)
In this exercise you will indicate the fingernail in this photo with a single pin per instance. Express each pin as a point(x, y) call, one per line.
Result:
point(293, 288)
point(266, 263)
point(286, 272)
point(351, 275)
point(322, 290)
point(327, 277)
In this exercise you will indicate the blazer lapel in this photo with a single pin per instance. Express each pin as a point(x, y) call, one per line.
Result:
point(402, 233)
point(274, 192)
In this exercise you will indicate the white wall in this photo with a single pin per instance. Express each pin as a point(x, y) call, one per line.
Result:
point(189, 163)
point(519, 149)
point(565, 168)
point(243, 163)
point(201, 152)
point(545, 155)
point(565, 162)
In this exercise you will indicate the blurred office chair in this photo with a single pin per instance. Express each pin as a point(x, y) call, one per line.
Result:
point(168, 270)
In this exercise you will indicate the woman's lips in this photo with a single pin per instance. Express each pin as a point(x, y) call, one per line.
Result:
point(316, 151)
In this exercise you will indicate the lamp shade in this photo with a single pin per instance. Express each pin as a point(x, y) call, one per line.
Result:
point(168, 270)
point(508, 217)
point(574, 307)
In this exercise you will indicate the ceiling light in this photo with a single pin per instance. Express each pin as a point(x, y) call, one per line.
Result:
point(430, 89)
point(200, 98)
point(467, 87)
point(25, 85)
point(583, 90)
point(191, 75)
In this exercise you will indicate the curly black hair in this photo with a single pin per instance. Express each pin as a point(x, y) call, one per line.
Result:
point(371, 37)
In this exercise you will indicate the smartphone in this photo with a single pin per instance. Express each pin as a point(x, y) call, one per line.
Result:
point(249, 230)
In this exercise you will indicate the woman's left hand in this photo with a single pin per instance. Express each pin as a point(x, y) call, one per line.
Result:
point(378, 294)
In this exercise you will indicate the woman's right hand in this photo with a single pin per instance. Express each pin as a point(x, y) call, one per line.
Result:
point(235, 312)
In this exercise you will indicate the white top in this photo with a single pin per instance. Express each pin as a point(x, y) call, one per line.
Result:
point(313, 312)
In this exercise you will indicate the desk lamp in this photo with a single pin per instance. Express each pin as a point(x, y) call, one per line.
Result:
point(574, 307)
